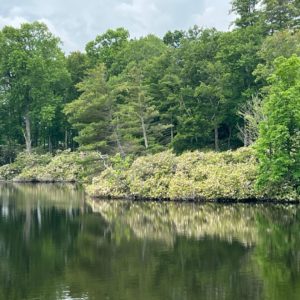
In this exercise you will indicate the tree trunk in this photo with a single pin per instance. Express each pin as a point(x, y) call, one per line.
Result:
point(246, 139)
point(144, 133)
point(216, 138)
point(27, 134)
point(172, 133)
point(72, 141)
point(66, 139)
point(229, 137)
point(172, 130)
point(50, 144)
point(122, 152)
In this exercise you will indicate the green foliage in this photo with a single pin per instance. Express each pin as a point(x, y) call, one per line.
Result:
point(283, 43)
point(173, 39)
point(23, 161)
point(135, 115)
point(65, 166)
point(112, 182)
point(278, 144)
point(140, 51)
point(115, 113)
point(279, 15)
point(270, 15)
point(194, 175)
point(252, 114)
point(109, 184)
point(214, 176)
point(90, 113)
point(105, 47)
point(33, 82)
point(247, 12)
point(77, 66)
point(150, 176)
point(9, 152)
point(188, 91)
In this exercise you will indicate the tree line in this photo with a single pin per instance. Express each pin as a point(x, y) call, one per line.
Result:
point(194, 89)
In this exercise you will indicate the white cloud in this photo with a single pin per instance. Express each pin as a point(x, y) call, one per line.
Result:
point(76, 22)
point(67, 41)
point(12, 21)
point(216, 14)
point(142, 16)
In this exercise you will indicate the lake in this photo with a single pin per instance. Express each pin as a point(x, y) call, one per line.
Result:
point(55, 244)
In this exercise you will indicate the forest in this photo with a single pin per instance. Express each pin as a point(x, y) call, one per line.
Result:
point(199, 89)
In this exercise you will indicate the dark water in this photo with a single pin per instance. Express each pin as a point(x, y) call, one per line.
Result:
point(53, 245)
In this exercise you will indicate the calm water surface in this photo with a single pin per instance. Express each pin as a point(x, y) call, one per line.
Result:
point(54, 244)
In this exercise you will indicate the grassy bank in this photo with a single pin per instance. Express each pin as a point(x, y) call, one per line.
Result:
point(193, 176)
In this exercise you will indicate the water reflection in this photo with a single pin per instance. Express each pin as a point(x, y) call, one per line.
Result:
point(165, 221)
point(256, 246)
point(55, 246)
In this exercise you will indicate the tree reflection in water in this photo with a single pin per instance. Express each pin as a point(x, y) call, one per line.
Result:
point(55, 246)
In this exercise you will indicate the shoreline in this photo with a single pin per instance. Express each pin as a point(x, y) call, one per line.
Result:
point(225, 201)
point(197, 177)
point(199, 201)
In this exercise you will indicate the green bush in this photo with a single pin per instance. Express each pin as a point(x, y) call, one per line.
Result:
point(109, 184)
point(23, 161)
point(112, 182)
point(190, 176)
point(215, 175)
point(8, 172)
point(64, 166)
point(150, 176)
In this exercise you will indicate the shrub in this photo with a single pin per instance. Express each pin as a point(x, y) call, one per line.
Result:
point(150, 176)
point(112, 182)
point(193, 175)
point(65, 166)
point(23, 160)
point(213, 175)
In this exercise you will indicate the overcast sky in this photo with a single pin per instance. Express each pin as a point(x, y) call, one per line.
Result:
point(78, 21)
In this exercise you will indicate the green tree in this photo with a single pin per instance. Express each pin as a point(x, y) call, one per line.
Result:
point(281, 14)
point(137, 113)
point(278, 146)
point(247, 12)
point(137, 51)
point(162, 76)
point(77, 65)
point(194, 60)
point(282, 43)
point(212, 95)
point(174, 38)
point(90, 113)
point(106, 46)
point(33, 77)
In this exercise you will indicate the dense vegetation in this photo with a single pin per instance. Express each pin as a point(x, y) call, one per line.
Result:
point(199, 89)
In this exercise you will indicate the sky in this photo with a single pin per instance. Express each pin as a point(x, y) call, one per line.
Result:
point(76, 21)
